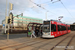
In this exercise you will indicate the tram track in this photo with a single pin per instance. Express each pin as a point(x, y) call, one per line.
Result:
point(69, 42)
point(25, 43)
point(32, 44)
point(39, 46)
point(17, 44)
point(62, 41)
point(22, 44)
point(41, 40)
point(36, 48)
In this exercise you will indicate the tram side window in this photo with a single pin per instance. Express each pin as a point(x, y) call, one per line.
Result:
point(63, 28)
point(68, 28)
point(59, 27)
point(53, 27)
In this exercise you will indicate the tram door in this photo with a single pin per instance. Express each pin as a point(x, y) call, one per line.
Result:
point(59, 30)
point(53, 30)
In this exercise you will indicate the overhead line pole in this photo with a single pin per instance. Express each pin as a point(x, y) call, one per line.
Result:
point(46, 15)
point(10, 20)
point(5, 16)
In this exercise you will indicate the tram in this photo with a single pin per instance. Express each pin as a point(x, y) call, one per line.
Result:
point(54, 28)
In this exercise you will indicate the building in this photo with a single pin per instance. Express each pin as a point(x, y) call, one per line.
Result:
point(72, 27)
point(20, 22)
point(1, 29)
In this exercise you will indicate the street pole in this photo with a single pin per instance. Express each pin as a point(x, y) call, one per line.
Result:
point(10, 8)
point(8, 33)
point(46, 15)
point(5, 16)
point(8, 24)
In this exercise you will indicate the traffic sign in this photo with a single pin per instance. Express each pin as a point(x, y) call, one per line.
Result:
point(3, 24)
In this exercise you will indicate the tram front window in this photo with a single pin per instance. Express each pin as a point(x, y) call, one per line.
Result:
point(46, 29)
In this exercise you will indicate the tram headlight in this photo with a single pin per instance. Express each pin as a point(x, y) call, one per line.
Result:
point(43, 33)
point(48, 33)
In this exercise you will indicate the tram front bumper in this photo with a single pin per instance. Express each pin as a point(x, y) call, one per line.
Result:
point(47, 36)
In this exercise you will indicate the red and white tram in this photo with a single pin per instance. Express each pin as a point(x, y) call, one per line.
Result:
point(54, 28)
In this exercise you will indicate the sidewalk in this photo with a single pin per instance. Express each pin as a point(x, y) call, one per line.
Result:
point(1, 34)
point(11, 34)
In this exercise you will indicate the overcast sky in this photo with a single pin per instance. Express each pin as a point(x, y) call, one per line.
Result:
point(30, 9)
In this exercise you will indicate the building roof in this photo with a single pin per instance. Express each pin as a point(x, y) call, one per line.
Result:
point(29, 17)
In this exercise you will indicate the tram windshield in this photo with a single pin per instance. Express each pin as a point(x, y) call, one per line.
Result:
point(46, 26)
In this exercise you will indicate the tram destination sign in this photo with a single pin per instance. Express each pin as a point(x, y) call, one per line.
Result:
point(46, 22)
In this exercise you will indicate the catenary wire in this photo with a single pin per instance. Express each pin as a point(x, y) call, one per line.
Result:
point(42, 7)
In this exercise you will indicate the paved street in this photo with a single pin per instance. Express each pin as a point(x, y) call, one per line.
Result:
point(12, 36)
point(64, 42)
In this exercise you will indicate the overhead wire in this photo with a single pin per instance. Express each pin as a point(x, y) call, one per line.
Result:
point(46, 2)
point(66, 8)
point(39, 5)
point(42, 7)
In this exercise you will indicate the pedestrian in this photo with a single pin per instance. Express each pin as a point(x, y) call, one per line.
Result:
point(37, 32)
point(41, 32)
point(33, 33)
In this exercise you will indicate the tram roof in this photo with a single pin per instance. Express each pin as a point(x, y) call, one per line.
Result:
point(56, 21)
